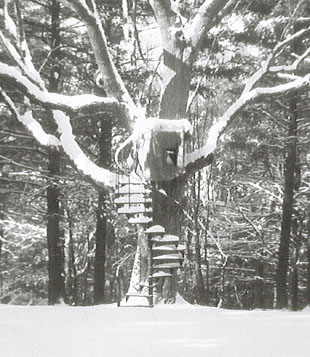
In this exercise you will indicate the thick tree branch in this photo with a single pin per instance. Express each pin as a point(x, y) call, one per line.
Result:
point(204, 153)
point(209, 14)
point(80, 160)
point(31, 124)
point(164, 12)
point(55, 100)
point(113, 84)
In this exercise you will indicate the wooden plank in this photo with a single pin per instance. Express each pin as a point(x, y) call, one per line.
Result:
point(155, 229)
point(123, 180)
point(165, 248)
point(167, 266)
point(135, 198)
point(167, 257)
point(140, 220)
point(134, 210)
point(129, 189)
point(160, 274)
point(167, 238)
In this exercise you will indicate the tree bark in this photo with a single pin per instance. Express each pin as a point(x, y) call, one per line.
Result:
point(56, 288)
point(259, 285)
point(105, 134)
point(308, 258)
point(287, 208)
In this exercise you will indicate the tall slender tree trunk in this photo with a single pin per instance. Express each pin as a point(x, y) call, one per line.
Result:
point(308, 258)
point(56, 291)
point(105, 134)
point(259, 285)
point(198, 268)
point(287, 208)
point(56, 288)
point(2, 215)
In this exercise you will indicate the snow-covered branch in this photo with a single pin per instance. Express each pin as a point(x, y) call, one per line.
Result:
point(196, 158)
point(55, 100)
point(67, 142)
point(80, 160)
point(31, 124)
point(294, 66)
point(266, 65)
point(113, 84)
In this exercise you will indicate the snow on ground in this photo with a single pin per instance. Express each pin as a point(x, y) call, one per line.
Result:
point(173, 331)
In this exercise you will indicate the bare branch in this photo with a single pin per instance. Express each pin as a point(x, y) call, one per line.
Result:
point(209, 14)
point(164, 12)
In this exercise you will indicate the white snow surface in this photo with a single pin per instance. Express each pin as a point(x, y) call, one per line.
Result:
point(179, 330)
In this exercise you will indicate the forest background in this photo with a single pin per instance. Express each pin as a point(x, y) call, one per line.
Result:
point(244, 214)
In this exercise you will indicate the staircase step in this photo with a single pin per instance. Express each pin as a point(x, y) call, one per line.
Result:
point(123, 180)
point(135, 198)
point(167, 257)
point(181, 247)
point(167, 266)
point(140, 220)
point(134, 210)
point(167, 238)
point(155, 229)
point(127, 296)
point(160, 274)
point(166, 248)
point(129, 189)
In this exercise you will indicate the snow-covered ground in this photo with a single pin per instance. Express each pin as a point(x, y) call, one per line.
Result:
point(164, 331)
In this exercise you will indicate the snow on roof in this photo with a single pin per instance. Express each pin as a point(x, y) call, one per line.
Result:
point(149, 125)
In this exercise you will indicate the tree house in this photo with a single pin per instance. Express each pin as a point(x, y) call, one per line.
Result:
point(158, 148)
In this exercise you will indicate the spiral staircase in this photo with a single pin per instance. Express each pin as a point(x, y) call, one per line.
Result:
point(165, 253)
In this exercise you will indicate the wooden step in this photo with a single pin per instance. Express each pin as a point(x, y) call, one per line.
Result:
point(160, 274)
point(125, 180)
point(168, 257)
point(165, 248)
point(167, 266)
point(127, 296)
point(135, 198)
point(157, 229)
point(167, 238)
point(134, 210)
point(181, 247)
point(140, 220)
point(129, 189)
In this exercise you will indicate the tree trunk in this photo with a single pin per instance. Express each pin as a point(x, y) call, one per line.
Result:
point(287, 208)
point(56, 288)
point(72, 292)
point(105, 131)
point(100, 255)
point(199, 276)
point(308, 258)
point(259, 285)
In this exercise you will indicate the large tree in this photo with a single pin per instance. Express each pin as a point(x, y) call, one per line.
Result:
point(184, 34)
